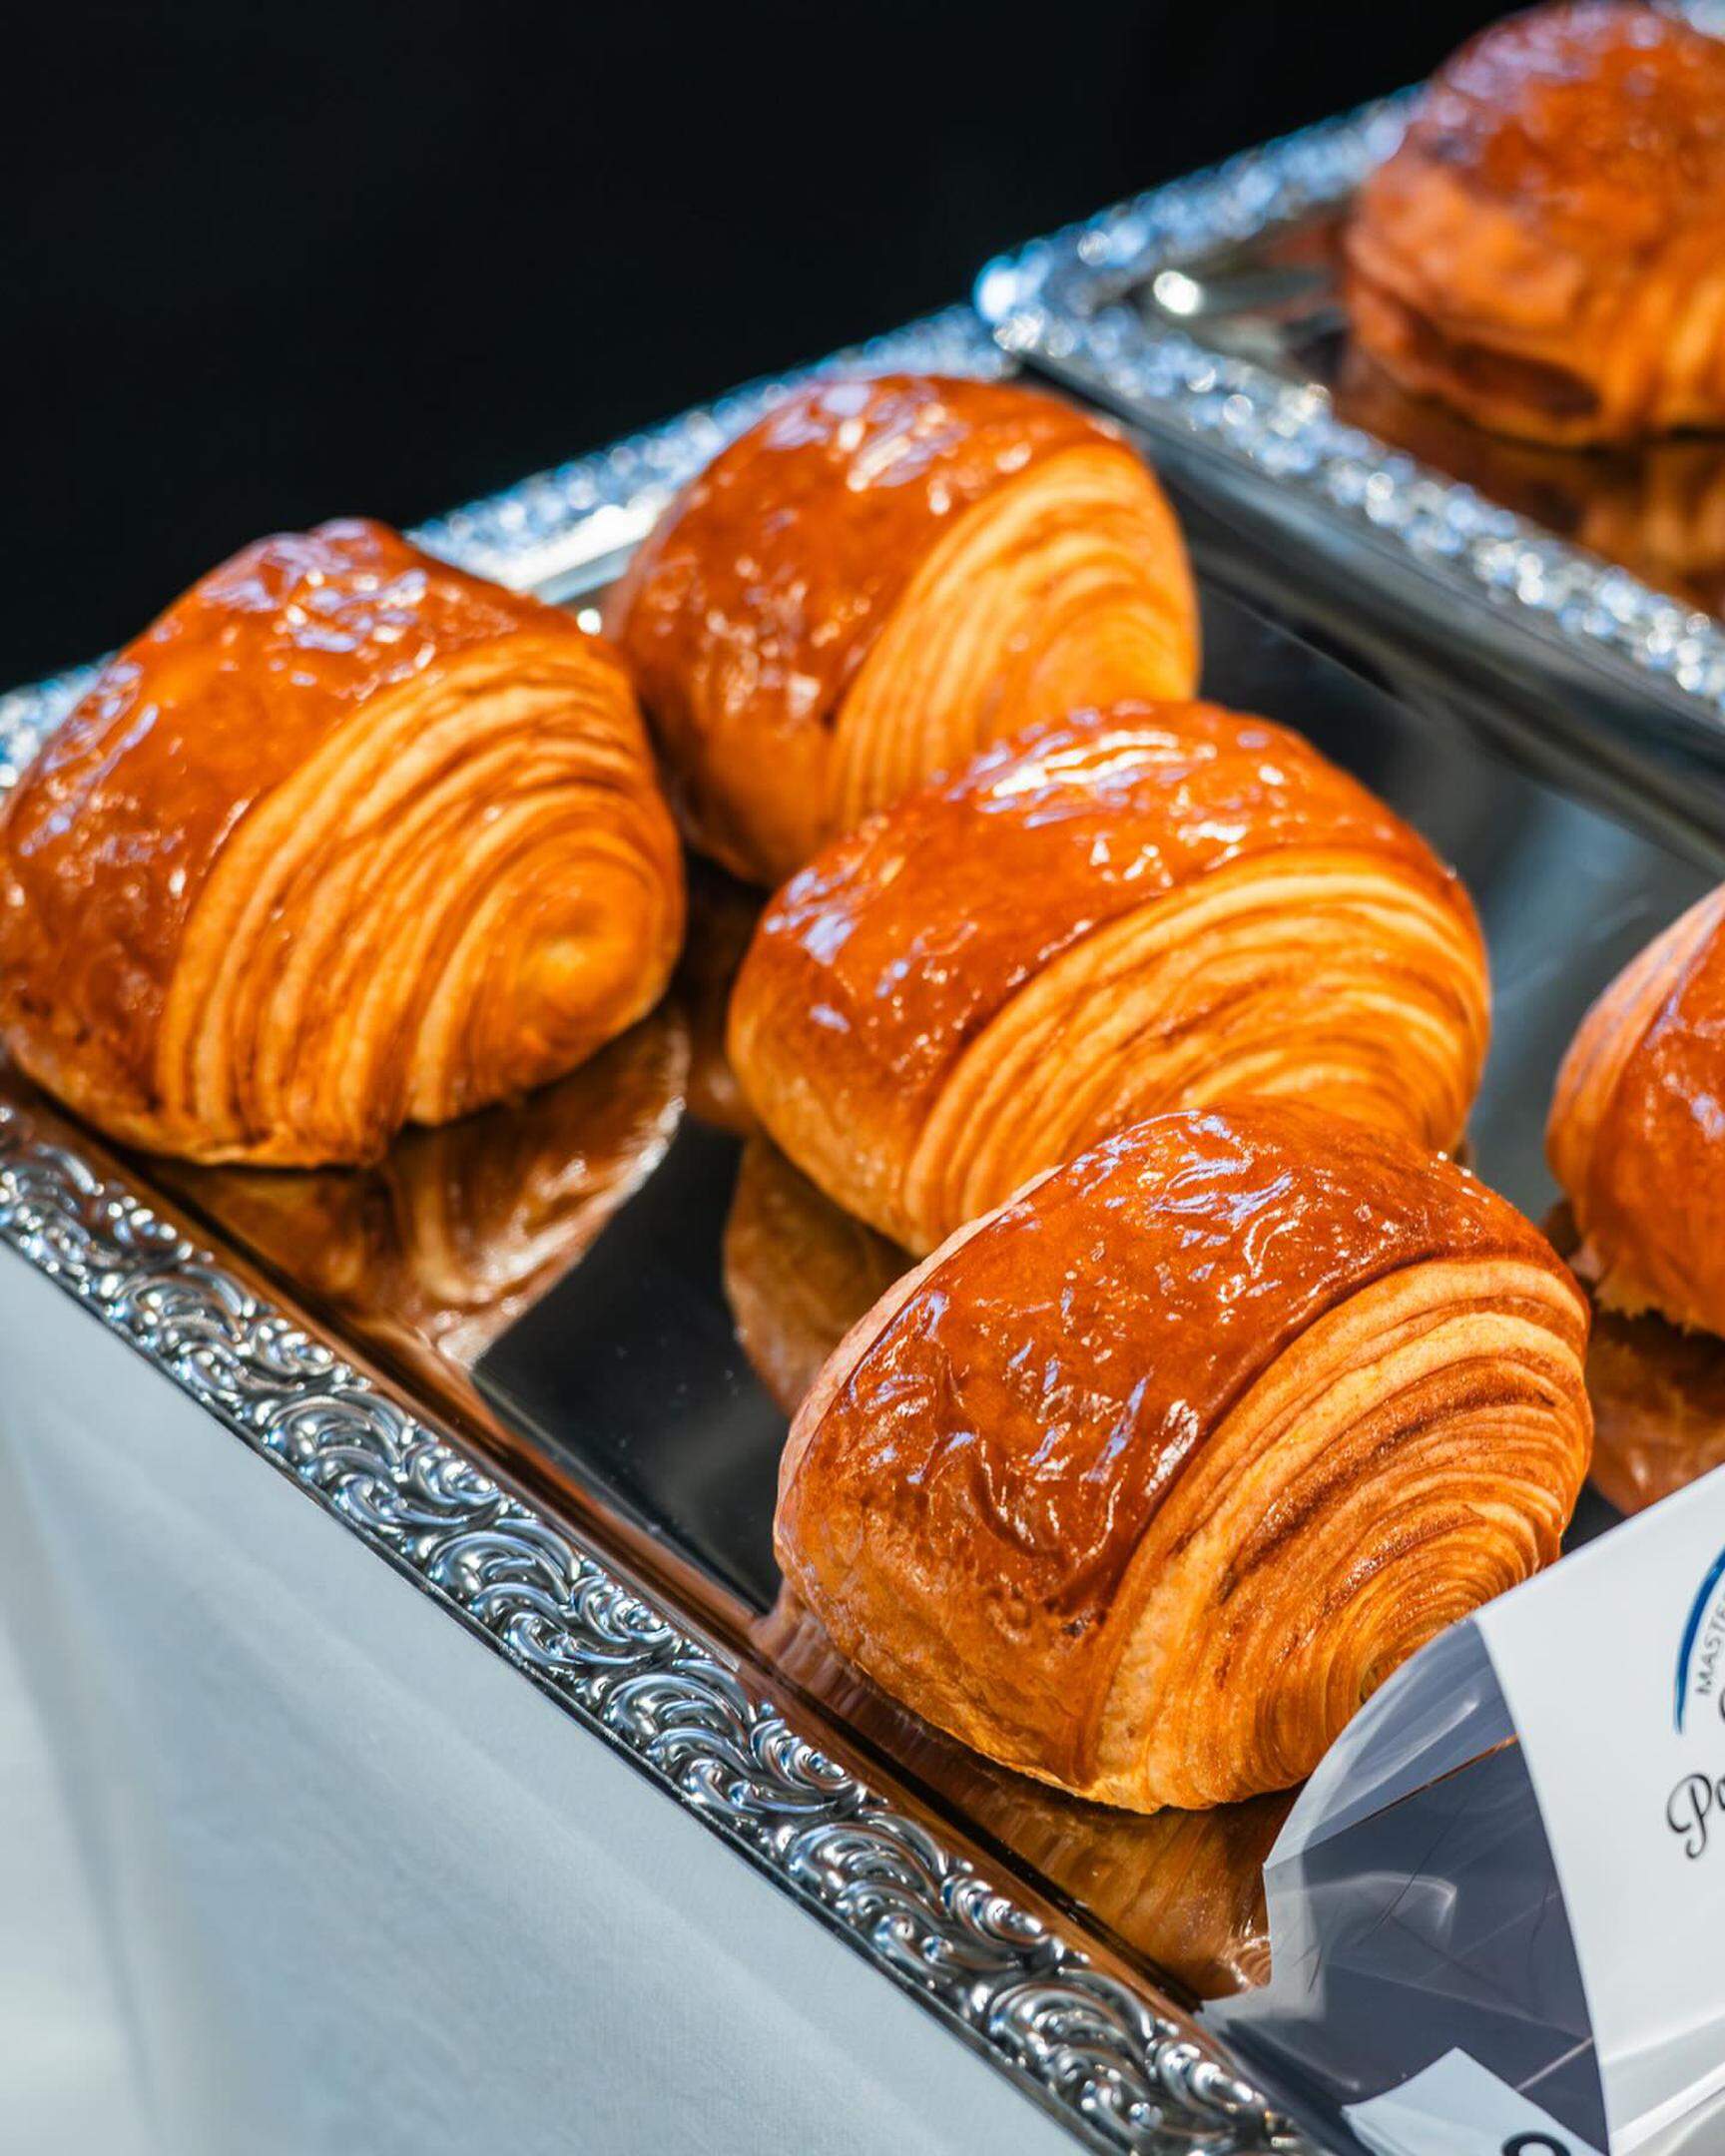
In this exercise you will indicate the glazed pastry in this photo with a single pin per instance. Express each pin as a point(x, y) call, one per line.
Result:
point(1144, 1482)
point(347, 841)
point(1637, 1134)
point(1546, 249)
point(876, 579)
point(438, 1249)
point(1148, 908)
point(1658, 1408)
point(798, 1272)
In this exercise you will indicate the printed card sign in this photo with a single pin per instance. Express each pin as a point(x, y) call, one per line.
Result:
point(1612, 1667)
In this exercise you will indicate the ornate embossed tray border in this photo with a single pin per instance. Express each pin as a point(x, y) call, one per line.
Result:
point(1060, 303)
point(1116, 2064)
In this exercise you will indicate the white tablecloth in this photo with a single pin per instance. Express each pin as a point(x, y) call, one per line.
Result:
point(65, 2063)
point(333, 1878)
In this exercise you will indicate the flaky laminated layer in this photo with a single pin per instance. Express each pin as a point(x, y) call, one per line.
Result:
point(346, 839)
point(1145, 907)
point(876, 579)
point(1637, 1130)
point(1546, 249)
point(1143, 1482)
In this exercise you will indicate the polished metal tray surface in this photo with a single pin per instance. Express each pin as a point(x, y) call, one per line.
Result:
point(1205, 312)
point(509, 1360)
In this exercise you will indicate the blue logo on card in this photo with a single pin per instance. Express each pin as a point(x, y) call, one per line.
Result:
point(1703, 1644)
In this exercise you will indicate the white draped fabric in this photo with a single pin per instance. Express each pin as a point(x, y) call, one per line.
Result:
point(303, 1867)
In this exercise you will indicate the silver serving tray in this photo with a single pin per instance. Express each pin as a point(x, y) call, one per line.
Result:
point(616, 1626)
point(1188, 312)
point(610, 1544)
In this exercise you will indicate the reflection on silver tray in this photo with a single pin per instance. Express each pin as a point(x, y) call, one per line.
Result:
point(1066, 303)
point(1115, 2062)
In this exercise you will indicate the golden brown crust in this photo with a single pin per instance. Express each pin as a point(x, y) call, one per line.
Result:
point(1637, 1128)
point(1143, 1482)
point(1546, 249)
point(345, 839)
point(1658, 1397)
point(877, 579)
point(1147, 907)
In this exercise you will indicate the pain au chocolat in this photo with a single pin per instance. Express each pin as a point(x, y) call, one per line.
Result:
point(347, 841)
point(1142, 1483)
point(1637, 1130)
point(1658, 1397)
point(876, 579)
point(1147, 907)
point(1546, 249)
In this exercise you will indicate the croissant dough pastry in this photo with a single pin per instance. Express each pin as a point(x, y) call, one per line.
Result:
point(1142, 1483)
point(347, 840)
point(1546, 249)
point(1636, 1137)
point(1657, 1394)
point(1658, 1397)
point(1147, 907)
point(877, 579)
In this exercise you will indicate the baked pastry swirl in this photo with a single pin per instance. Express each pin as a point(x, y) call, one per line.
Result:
point(1147, 907)
point(876, 579)
point(1637, 1130)
point(347, 841)
point(1546, 249)
point(1144, 1482)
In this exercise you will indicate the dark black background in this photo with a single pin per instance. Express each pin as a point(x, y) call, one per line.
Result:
point(266, 263)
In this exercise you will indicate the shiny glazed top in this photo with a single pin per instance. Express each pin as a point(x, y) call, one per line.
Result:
point(1603, 123)
point(904, 938)
point(764, 585)
point(1036, 1397)
point(110, 836)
